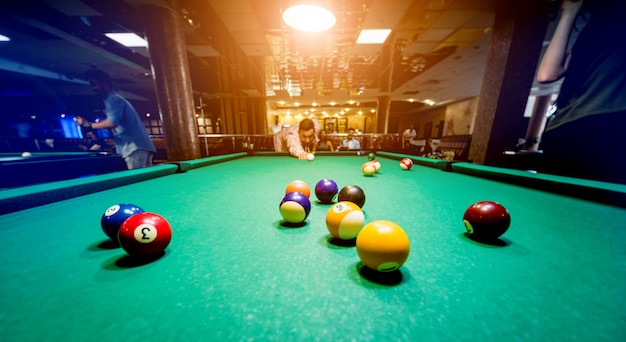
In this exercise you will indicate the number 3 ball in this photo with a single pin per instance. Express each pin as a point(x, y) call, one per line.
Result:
point(486, 220)
point(295, 207)
point(115, 215)
point(344, 220)
point(145, 234)
point(383, 246)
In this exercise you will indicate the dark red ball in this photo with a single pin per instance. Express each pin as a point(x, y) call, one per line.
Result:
point(352, 193)
point(486, 220)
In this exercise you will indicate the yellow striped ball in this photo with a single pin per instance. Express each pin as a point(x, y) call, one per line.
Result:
point(344, 220)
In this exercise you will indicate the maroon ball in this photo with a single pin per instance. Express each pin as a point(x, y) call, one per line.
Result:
point(352, 193)
point(486, 220)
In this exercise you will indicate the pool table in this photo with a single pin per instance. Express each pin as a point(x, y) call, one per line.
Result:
point(43, 167)
point(235, 271)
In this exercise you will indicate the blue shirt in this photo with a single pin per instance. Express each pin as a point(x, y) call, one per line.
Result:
point(130, 134)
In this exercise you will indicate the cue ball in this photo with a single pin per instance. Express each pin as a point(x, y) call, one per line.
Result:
point(345, 220)
point(486, 220)
point(406, 164)
point(383, 246)
point(352, 193)
point(26, 154)
point(310, 157)
point(145, 234)
point(298, 186)
point(115, 215)
point(295, 207)
point(368, 168)
point(326, 190)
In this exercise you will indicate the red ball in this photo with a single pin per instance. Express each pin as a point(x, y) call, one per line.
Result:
point(145, 234)
point(486, 220)
point(406, 164)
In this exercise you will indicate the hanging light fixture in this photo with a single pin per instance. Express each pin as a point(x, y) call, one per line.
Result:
point(309, 18)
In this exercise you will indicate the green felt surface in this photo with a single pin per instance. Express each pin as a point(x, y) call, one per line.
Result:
point(233, 272)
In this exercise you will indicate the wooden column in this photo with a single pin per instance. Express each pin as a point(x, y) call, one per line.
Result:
point(168, 56)
point(382, 114)
point(518, 32)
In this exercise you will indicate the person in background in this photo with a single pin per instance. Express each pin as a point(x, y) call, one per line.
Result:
point(92, 142)
point(131, 138)
point(409, 135)
point(584, 136)
point(299, 139)
point(427, 149)
point(324, 144)
point(350, 142)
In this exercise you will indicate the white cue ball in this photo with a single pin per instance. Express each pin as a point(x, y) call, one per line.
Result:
point(310, 157)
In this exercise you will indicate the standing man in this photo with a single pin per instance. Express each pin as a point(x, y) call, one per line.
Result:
point(584, 136)
point(409, 135)
point(299, 140)
point(130, 135)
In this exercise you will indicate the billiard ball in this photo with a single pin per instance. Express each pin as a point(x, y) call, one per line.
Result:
point(376, 165)
point(360, 153)
point(298, 186)
point(26, 154)
point(371, 156)
point(115, 215)
point(295, 207)
point(310, 157)
point(145, 233)
point(406, 164)
point(383, 246)
point(368, 168)
point(486, 220)
point(326, 190)
point(344, 220)
point(352, 193)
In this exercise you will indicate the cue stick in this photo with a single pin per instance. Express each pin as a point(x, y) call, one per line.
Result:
point(206, 143)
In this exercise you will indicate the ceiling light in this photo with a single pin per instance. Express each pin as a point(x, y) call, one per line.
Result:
point(4, 38)
point(309, 18)
point(373, 36)
point(128, 39)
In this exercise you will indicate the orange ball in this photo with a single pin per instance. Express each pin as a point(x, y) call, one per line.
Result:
point(383, 246)
point(298, 186)
point(368, 168)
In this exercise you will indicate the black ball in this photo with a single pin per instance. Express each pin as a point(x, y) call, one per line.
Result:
point(352, 193)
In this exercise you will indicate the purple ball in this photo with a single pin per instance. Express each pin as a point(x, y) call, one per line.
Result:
point(326, 190)
point(295, 207)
